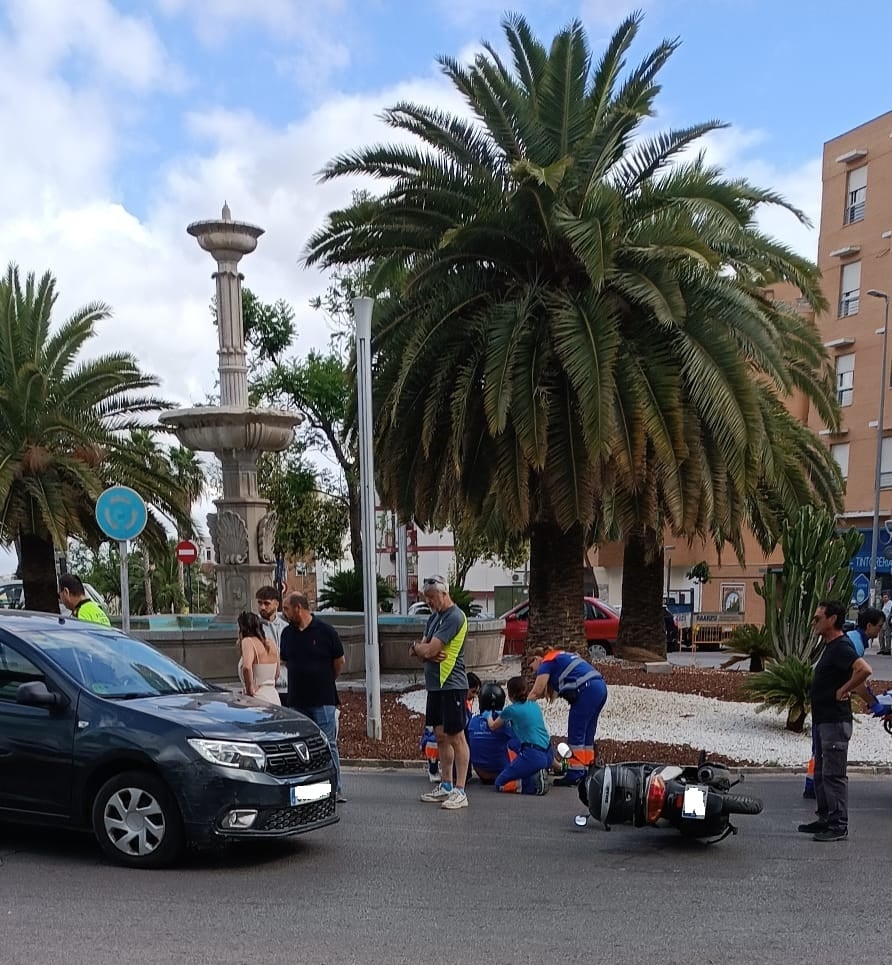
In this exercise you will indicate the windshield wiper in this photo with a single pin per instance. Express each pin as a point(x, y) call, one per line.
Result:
point(133, 695)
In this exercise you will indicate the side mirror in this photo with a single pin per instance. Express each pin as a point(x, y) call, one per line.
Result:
point(563, 751)
point(35, 694)
point(511, 617)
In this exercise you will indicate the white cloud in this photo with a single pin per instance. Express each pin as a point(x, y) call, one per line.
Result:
point(117, 46)
point(740, 152)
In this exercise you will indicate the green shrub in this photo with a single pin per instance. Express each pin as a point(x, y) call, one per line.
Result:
point(783, 686)
point(343, 591)
point(751, 643)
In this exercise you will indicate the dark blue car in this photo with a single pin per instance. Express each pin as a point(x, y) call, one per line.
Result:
point(101, 731)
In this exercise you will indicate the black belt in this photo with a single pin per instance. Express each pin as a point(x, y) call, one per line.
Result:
point(545, 750)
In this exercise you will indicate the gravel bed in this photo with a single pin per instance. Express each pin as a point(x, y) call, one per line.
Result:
point(727, 730)
point(648, 716)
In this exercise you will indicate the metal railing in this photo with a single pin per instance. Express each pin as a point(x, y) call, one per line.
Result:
point(854, 212)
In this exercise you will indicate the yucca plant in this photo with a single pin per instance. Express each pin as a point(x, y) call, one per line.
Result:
point(784, 685)
point(749, 643)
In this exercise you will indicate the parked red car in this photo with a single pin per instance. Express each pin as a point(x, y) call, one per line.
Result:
point(601, 627)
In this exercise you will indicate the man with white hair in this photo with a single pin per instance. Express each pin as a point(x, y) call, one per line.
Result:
point(442, 651)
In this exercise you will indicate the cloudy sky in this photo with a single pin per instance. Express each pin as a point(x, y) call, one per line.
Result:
point(124, 120)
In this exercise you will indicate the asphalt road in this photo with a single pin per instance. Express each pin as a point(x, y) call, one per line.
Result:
point(509, 880)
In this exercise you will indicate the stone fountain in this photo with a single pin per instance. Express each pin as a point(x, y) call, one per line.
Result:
point(243, 529)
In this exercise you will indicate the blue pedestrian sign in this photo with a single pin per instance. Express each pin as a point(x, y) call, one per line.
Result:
point(862, 589)
point(121, 513)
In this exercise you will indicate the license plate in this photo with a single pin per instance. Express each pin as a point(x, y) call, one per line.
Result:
point(694, 804)
point(308, 793)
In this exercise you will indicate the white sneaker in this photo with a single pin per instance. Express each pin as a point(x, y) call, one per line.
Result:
point(456, 799)
point(436, 795)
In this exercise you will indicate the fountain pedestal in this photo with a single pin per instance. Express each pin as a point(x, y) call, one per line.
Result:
point(243, 529)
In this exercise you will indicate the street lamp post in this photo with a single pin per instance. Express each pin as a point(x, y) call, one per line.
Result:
point(875, 538)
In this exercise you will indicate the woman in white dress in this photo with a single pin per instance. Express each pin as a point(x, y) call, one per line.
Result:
point(258, 667)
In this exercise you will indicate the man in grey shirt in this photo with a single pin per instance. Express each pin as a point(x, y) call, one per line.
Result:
point(273, 624)
point(443, 653)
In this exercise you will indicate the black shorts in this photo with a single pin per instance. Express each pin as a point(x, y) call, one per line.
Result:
point(446, 709)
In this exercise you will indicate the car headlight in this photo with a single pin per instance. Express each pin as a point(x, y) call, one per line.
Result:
point(247, 757)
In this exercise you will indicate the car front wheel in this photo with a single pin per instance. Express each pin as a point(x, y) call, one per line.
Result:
point(136, 820)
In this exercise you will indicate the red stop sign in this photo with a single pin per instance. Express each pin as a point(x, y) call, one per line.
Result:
point(187, 552)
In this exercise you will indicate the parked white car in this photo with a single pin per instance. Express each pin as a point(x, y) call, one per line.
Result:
point(12, 597)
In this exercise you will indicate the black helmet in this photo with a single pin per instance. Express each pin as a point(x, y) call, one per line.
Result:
point(491, 697)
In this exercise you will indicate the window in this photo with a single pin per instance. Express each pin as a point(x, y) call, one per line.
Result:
point(856, 194)
point(845, 378)
point(840, 453)
point(15, 670)
point(850, 289)
point(886, 465)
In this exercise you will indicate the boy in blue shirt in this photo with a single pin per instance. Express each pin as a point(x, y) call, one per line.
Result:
point(528, 772)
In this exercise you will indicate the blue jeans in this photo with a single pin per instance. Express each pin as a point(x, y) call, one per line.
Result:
point(327, 721)
point(523, 768)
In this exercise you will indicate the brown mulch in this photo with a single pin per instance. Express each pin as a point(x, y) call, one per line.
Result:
point(402, 728)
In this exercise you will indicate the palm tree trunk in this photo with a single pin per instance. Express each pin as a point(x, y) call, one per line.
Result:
point(641, 621)
point(38, 563)
point(557, 614)
point(355, 517)
point(147, 581)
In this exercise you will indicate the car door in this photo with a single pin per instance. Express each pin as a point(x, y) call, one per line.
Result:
point(36, 743)
point(600, 623)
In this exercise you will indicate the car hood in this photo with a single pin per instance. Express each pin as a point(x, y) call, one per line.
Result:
point(227, 716)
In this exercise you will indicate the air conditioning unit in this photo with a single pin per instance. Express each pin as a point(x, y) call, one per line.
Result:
point(516, 577)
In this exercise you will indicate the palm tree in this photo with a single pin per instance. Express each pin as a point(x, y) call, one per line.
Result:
point(65, 425)
point(581, 332)
point(147, 449)
point(189, 474)
point(792, 469)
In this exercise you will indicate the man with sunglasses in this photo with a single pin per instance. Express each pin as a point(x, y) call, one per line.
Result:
point(443, 652)
point(839, 673)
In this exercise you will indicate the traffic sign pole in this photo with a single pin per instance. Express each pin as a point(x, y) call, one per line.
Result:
point(122, 515)
point(125, 586)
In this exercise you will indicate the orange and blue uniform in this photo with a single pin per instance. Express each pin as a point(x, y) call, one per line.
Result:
point(584, 689)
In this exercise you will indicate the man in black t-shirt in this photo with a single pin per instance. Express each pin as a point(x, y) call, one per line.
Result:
point(839, 673)
point(314, 656)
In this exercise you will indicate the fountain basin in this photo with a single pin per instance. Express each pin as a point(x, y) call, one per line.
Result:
point(226, 428)
point(226, 240)
point(207, 644)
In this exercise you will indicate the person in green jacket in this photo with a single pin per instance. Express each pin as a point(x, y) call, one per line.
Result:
point(73, 597)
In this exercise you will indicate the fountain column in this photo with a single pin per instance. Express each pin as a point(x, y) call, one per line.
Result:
point(243, 529)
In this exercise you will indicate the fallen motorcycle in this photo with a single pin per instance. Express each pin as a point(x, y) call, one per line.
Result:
point(694, 800)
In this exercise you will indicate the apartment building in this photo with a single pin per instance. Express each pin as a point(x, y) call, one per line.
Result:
point(855, 257)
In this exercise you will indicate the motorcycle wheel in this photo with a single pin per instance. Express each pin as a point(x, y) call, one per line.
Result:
point(736, 804)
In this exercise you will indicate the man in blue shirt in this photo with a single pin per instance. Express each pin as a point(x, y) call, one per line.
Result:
point(870, 625)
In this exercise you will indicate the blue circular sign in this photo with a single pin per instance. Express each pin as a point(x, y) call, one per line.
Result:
point(121, 513)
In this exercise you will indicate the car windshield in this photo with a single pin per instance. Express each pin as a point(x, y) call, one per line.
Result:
point(111, 665)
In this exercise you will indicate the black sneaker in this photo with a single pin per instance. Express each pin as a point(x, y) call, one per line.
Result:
point(813, 827)
point(831, 834)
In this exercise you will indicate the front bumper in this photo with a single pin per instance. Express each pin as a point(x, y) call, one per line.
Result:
point(213, 791)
